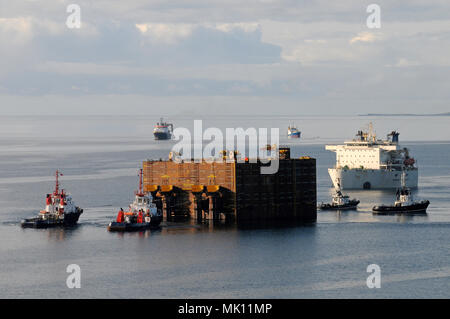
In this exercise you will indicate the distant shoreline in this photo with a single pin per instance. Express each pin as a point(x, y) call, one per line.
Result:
point(404, 114)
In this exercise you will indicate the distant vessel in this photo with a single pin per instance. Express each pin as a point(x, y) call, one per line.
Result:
point(59, 210)
point(340, 202)
point(163, 130)
point(142, 214)
point(405, 203)
point(370, 163)
point(293, 132)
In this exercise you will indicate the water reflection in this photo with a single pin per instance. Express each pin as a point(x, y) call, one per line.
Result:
point(402, 218)
point(139, 234)
point(56, 234)
point(368, 217)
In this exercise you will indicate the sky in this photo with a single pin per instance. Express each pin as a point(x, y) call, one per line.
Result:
point(222, 57)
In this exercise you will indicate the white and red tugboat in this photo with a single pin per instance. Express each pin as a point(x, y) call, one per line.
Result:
point(59, 210)
point(142, 214)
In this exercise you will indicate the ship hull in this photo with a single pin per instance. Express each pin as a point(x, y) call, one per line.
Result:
point(372, 178)
point(68, 221)
point(416, 208)
point(294, 135)
point(162, 136)
point(352, 205)
point(129, 227)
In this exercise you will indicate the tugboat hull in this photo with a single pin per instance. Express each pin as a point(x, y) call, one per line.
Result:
point(416, 208)
point(37, 222)
point(352, 205)
point(128, 227)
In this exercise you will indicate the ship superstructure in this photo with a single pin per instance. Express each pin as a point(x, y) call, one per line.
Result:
point(143, 201)
point(370, 163)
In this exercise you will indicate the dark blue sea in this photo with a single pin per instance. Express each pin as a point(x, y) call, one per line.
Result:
point(100, 155)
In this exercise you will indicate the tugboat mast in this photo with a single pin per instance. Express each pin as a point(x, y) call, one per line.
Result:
point(57, 193)
point(403, 179)
point(140, 192)
point(57, 183)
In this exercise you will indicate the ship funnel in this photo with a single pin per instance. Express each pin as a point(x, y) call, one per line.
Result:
point(394, 136)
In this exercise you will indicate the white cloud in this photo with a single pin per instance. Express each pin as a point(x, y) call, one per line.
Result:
point(164, 32)
point(244, 26)
point(170, 33)
point(402, 62)
point(261, 48)
point(22, 29)
point(16, 29)
point(365, 37)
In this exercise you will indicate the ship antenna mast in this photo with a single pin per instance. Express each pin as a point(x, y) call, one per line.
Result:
point(371, 135)
point(140, 181)
point(403, 179)
point(57, 183)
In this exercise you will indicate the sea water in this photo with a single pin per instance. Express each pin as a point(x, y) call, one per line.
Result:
point(99, 157)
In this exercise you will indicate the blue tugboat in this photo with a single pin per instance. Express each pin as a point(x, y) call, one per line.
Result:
point(142, 214)
point(293, 132)
point(59, 210)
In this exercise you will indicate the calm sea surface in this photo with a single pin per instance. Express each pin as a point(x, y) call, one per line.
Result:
point(99, 157)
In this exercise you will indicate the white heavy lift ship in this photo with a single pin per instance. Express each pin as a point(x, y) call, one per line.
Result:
point(370, 163)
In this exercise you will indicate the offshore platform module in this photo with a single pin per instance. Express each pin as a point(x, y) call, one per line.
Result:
point(234, 190)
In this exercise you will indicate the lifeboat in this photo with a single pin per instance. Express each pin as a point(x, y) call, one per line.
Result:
point(409, 161)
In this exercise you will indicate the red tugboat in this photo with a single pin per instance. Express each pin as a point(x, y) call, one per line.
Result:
point(59, 210)
point(142, 214)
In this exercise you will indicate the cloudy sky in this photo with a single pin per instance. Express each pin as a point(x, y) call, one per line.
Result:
point(225, 57)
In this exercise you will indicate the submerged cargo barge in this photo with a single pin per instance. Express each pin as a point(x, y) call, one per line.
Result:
point(234, 191)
